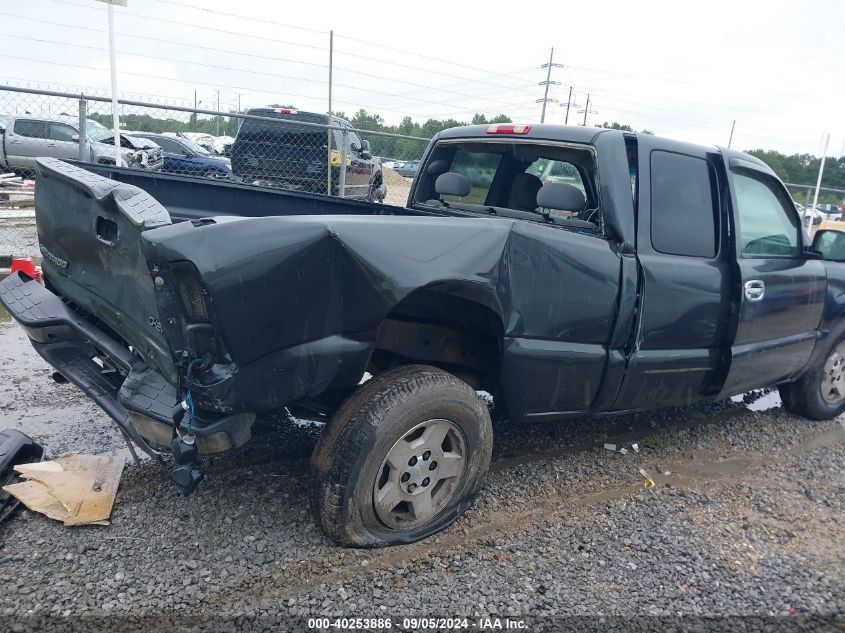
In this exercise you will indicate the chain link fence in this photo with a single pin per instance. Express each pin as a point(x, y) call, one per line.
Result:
point(278, 147)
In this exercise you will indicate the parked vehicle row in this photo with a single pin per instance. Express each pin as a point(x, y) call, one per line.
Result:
point(408, 168)
point(24, 138)
point(184, 156)
point(814, 216)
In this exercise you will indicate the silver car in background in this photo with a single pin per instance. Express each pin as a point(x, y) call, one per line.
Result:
point(24, 138)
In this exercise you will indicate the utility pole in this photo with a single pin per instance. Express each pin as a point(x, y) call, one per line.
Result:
point(113, 67)
point(569, 103)
point(329, 129)
point(821, 171)
point(194, 115)
point(218, 113)
point(239, 101)
point(548, 83)
point(587, 110)
point(731, 137)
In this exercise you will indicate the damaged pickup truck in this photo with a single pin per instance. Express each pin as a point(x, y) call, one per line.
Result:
point(567, 271)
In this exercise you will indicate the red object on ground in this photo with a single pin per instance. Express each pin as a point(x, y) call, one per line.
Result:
point(27, 266)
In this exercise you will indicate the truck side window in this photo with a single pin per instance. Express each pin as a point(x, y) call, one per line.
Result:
point(32, 129)
point(683, 215)
point(767, 226)
point(171, 147)
point(61, 132)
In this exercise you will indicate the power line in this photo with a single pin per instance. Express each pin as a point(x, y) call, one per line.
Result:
point(262, 20)
point(248, 71)
point(275, 75)
point(299, 44)
point(193, 82)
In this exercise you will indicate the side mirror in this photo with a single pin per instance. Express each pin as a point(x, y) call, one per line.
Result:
point(366, 152)
point(830, 245)
point(188, 154)
point(75, 138)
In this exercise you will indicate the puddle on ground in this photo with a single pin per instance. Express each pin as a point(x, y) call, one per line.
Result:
point(770, 400)
point(692, 471)
point(53, 426)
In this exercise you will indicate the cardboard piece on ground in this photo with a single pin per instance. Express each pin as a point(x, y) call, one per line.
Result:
point(74, 489)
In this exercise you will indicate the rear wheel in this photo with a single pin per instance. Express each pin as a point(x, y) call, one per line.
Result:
point(820, 393)
point(403, 458)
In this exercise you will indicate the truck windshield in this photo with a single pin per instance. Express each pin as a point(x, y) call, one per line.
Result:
point(97, 132)
point(194, 147)
point(502, 176)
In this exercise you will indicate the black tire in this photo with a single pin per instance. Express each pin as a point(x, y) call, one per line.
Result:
point(371, 192)
point(804, 396)
point(350, 455)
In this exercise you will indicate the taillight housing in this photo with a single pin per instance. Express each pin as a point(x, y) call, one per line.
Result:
point(191, 293)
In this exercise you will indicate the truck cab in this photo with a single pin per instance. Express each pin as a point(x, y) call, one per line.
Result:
point(687, 266)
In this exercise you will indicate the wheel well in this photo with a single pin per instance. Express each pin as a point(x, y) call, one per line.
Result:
point(448, 331)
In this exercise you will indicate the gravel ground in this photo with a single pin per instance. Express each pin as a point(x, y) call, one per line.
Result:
point(749, 521)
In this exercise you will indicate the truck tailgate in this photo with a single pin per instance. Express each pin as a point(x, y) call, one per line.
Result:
point(89, 229)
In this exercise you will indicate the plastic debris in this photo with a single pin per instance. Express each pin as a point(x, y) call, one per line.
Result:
point(610, 447)
point(73, 489)
point(636, 447)
point(649, 482)
point(623, 450)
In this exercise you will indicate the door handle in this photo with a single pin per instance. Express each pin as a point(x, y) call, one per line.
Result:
point(15, 142)
point(755, 290)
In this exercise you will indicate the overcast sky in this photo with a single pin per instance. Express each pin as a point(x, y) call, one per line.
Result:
point(684, 70)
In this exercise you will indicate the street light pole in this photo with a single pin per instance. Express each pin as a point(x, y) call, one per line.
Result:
point(821, 171)
point(113, 65)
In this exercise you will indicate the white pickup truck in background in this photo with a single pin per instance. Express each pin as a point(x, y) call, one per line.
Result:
point(24, 138)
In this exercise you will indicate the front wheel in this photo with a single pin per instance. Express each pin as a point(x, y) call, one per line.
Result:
point(402, 459)
point(820, 393)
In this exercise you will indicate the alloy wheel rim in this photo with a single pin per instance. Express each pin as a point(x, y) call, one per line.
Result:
point(420, 474)
point(833, 376)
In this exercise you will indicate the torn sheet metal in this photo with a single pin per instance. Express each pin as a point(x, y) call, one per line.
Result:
point(74, 489)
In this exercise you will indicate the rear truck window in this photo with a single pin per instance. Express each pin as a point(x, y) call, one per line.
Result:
point(683, 214)
point(479, 168)
point(507, 176)
point(286, 131)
